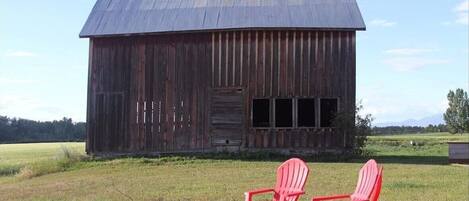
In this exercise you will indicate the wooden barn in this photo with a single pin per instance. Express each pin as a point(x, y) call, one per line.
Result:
point(184, 76)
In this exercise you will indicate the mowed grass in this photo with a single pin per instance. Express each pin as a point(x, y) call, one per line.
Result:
point(429, 177)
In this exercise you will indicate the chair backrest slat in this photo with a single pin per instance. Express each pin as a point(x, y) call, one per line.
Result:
point(291, 177)
point(366, 181)
point(377, 188)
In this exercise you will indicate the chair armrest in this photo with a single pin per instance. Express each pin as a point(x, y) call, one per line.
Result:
point(248, 195)
point(298, 193)
point(333, 197)
point(295, 193)
point(259, 191)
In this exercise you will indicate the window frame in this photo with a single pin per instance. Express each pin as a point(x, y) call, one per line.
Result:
point(252, 113)
point(319, 110)
point(275, 116)
point(315, 105)
point(272, 112)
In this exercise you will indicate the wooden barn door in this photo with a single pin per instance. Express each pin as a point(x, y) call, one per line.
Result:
point(109, 134)
point(227, 117)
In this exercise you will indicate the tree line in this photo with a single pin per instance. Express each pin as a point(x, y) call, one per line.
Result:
point(456, 118)
point(15, 130)
point(390, 130)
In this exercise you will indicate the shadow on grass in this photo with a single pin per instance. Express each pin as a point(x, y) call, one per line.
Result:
point(276, 157)
point(329, 157)
point(258, 156)
point(416, 160)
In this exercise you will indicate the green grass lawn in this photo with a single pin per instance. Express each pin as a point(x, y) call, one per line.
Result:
point(411, 173)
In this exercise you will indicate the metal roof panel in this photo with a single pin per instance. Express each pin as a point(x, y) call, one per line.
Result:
point(126, 17)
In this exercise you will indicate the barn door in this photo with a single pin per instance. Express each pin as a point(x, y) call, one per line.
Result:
point(109, 121)
point(227, 117)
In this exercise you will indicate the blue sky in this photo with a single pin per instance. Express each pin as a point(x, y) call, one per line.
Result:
point(411, 55)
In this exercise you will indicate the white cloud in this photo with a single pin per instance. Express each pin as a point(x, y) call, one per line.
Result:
point(462, 11)
point(411, 59)
point(30, 107)
point(406, 64)
point(462, 7)
point(20, 54)
point(396, 111)
point(409, 51)
point(463, 18)
point(382, 23)
point(396, 105)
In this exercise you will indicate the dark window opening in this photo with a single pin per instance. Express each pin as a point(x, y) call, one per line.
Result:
point(261, 113)
point(328, 111)
point(306, 113)
point(283, 113)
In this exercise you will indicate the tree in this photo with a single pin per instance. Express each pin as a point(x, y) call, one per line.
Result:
point(356, 126)
point(457, 114)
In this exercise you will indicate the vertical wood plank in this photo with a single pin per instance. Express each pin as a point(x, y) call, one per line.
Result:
point(301, 75)
point(229, 60)
point(237, 58)
point(241, 60)
point(233, 60)
point(220, 54)
point(148, 73)
point(275, 63)
point(252, 77)
point(213, 59)
point(290, 63)
point(89, 102)
point(170, 99)
point(283, 63)
point(226, 67)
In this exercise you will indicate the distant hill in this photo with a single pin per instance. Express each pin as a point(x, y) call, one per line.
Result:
point(434, 120)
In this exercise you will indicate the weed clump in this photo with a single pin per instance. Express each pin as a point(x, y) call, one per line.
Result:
point(6, 170)
point(25, 172)
point(64, 159)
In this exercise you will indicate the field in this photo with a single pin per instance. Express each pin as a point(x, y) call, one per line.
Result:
point(50, 172)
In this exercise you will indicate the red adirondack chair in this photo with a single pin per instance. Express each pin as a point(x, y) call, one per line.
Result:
point(377, 188)
point(368, 179)
point(291, 179)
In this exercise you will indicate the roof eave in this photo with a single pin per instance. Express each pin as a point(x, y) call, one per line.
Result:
point(82, 35)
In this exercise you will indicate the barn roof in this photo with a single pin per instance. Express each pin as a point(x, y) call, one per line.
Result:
point(128, 17)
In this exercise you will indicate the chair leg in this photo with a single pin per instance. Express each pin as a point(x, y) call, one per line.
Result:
point(248, 197)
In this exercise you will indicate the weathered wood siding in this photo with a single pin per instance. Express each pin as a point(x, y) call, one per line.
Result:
point(155, 93)
point(287, 64)
point(149, 94)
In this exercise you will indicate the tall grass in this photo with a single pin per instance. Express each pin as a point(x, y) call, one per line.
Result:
point(7, 169)
point(64, 159)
